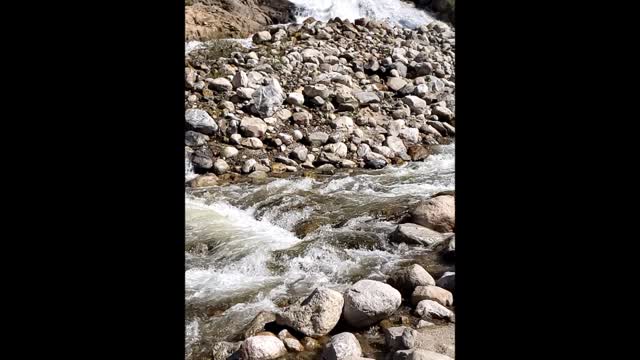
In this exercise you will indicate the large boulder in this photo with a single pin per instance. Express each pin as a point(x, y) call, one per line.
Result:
point(253, 127)
point(437, 213)
point(430, 292)
point(416, 234)
point(200, 121)
point(368, 301)
point(267, 99)
point(341, 347)
point(408, 278)
point(316, 315)
point(262, 347)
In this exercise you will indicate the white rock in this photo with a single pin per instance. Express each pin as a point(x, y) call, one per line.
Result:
point(368, 301)
point(316, 315)
point(341, 347)
point(262, 347)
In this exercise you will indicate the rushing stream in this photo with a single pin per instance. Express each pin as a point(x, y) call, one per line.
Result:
point(250, 247)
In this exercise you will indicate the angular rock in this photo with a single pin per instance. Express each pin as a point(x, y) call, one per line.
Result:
point(410, 134)
point(220, 84)
point(267, 99)
point(240, 80)
point(295, 98)
point(341, 347)
point(258, 323)
point(367, 97)
point(224, 350)
point(245, 93)
point(200, 121)
point(220, 167)
point(262, 347)
point(253, 127)
point(316, 315)
point(261, 37)
point(428, 309)
point(299, 153)
point(318, 90)
point(416, 234)
point(400, 338)
point(339, 149)
point(437, 213)
point(395, 144)
point(416, 104)
point(395, 83)
point(252, 143)
point(343, 122)
point(249, 166)
point(442, 113)
point(368, 301)
point(193, 138)
point(408, 278)
point(374, 160)
point(417, 152)
point(202, 158)
point(318, 138)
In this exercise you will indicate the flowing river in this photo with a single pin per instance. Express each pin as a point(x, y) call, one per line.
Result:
point(251, 247)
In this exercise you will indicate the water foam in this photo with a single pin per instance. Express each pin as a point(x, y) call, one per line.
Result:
point(396, 11)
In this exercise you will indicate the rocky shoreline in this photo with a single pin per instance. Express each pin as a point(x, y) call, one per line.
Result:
point(317, 97)
point(408, 315)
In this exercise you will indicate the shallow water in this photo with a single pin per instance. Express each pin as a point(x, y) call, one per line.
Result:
point(269, 242)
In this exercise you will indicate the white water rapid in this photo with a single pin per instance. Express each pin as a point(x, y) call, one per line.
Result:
point(261, 244)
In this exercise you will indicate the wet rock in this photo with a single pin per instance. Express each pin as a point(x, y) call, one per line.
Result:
point(258, 175)
point(345, 163)
point(408, 278)
point(285, 161)
point(341, 347)
point(419, 354)
point(430, 292)
point(224, 350)
point(253, 127)
point(202, 158)
point(416, 234)
point(200, 121)
point(417, 152)
point(316, 315)
point(447, 281)
point(258, 323)
point(368, 301)
point(437, 213)
point(400, 338)
point(204, 181)
point(311, 344)
point(326, 169)
point(193, 138)
point(374, 161)
point(428, 309)
point(262, 348)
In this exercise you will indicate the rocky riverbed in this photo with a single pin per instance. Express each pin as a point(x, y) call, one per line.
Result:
point(320, 193)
